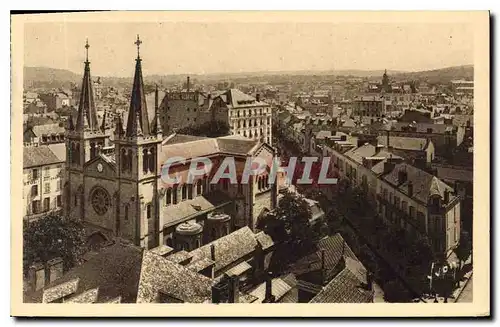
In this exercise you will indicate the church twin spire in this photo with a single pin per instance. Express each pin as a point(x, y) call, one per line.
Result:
point(87, 116)
point(138, 121)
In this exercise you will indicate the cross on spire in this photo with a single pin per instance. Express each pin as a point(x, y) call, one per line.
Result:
point(138, 42)
point(87, 46)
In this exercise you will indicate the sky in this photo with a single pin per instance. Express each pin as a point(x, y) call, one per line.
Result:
point(229, 47)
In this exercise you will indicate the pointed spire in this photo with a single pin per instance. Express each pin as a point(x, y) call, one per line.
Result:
point(119, 126)
point(87, 115)
point(156, 123)
point(138, 112)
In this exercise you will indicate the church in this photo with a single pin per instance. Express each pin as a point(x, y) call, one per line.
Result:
point(114, 186)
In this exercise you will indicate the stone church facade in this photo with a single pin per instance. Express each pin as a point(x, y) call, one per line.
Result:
point(120, 193)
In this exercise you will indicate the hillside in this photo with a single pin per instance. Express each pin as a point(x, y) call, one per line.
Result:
point(52, 78)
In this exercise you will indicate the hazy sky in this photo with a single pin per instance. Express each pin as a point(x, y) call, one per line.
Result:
point(196, 48)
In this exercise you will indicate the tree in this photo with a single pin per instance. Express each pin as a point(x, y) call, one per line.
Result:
point(395, 292)
point(51, 237)
point(464, 247)
point(419, 252)
point(209, 129)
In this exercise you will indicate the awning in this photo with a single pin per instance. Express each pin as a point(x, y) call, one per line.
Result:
point(239, 269)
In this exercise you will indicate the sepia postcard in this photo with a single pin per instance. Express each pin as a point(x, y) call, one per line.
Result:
point(255, 164)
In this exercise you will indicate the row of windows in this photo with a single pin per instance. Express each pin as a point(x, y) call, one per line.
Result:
point(36, 207)
point(253, 134)
point(148, 160)
point(35, 173)
point(249, 112)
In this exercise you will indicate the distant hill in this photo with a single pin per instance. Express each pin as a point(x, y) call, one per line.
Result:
point(440, 76)
point(54, 78)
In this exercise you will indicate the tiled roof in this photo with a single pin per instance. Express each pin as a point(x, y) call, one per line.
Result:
point(228, 249)
point(34, 156)
point(89, 296)
point(114, 270)
point(264, 240)
point(192, 147)
point(454, 174)
point(344, 288)
point(59, 291)
point(199, 264)
point(179, 256)
point(47, 129)
point(238, 99)
point(162, 250)
point(424, 184)
point(278, 288)
point(176, 213)
point(59, 149)
point(422, 127)
point(404, 143)
point(161, 275)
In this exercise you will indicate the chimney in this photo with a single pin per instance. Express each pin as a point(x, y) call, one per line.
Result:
point(402, 176)
point(269, 290)
point(410, 189)
point(216, 293)
point(234, 289)
point(369, 281)
point(257, 97)
point(388, 166)
point(36, 275)
point(188, 84)
point(54, 269)
point(212, 252)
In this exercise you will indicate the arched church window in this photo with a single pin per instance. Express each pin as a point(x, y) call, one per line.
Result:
point(125, 214)
point(77, 150)
point(259, 182)
point(190, 191)
point(93, 150)
point(152, 160)
point(183, 192)
point(168, 196)
point(148, 210)
point(198, 187)
point(124, 160)
point(145, 158)
point(129, 160)
point(76, 200)
point(174, 194)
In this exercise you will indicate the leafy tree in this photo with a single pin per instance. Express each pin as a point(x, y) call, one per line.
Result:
point(52, 237)
point(209, 129)
point(464, 248)
point(395, 292)
point(419, 252)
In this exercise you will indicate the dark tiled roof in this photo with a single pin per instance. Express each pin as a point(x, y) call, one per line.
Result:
point(278, 288)
point(47, 129)
point(404, 143)
point(228, 249)
point(174, 214)
point(235, 144)
point(161, 275)
point(179, 256)
point(344, 288)
point(199, 265)
point(454, 174)
point(114, 270)
point(59, 291)
point(182, 138)
point(424, 184)
point(34, 156)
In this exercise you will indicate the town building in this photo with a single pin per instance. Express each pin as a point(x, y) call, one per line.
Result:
point(121, 193)
point(44, 134)
point(56, 100)
point(43, 178)
point(246, 116)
